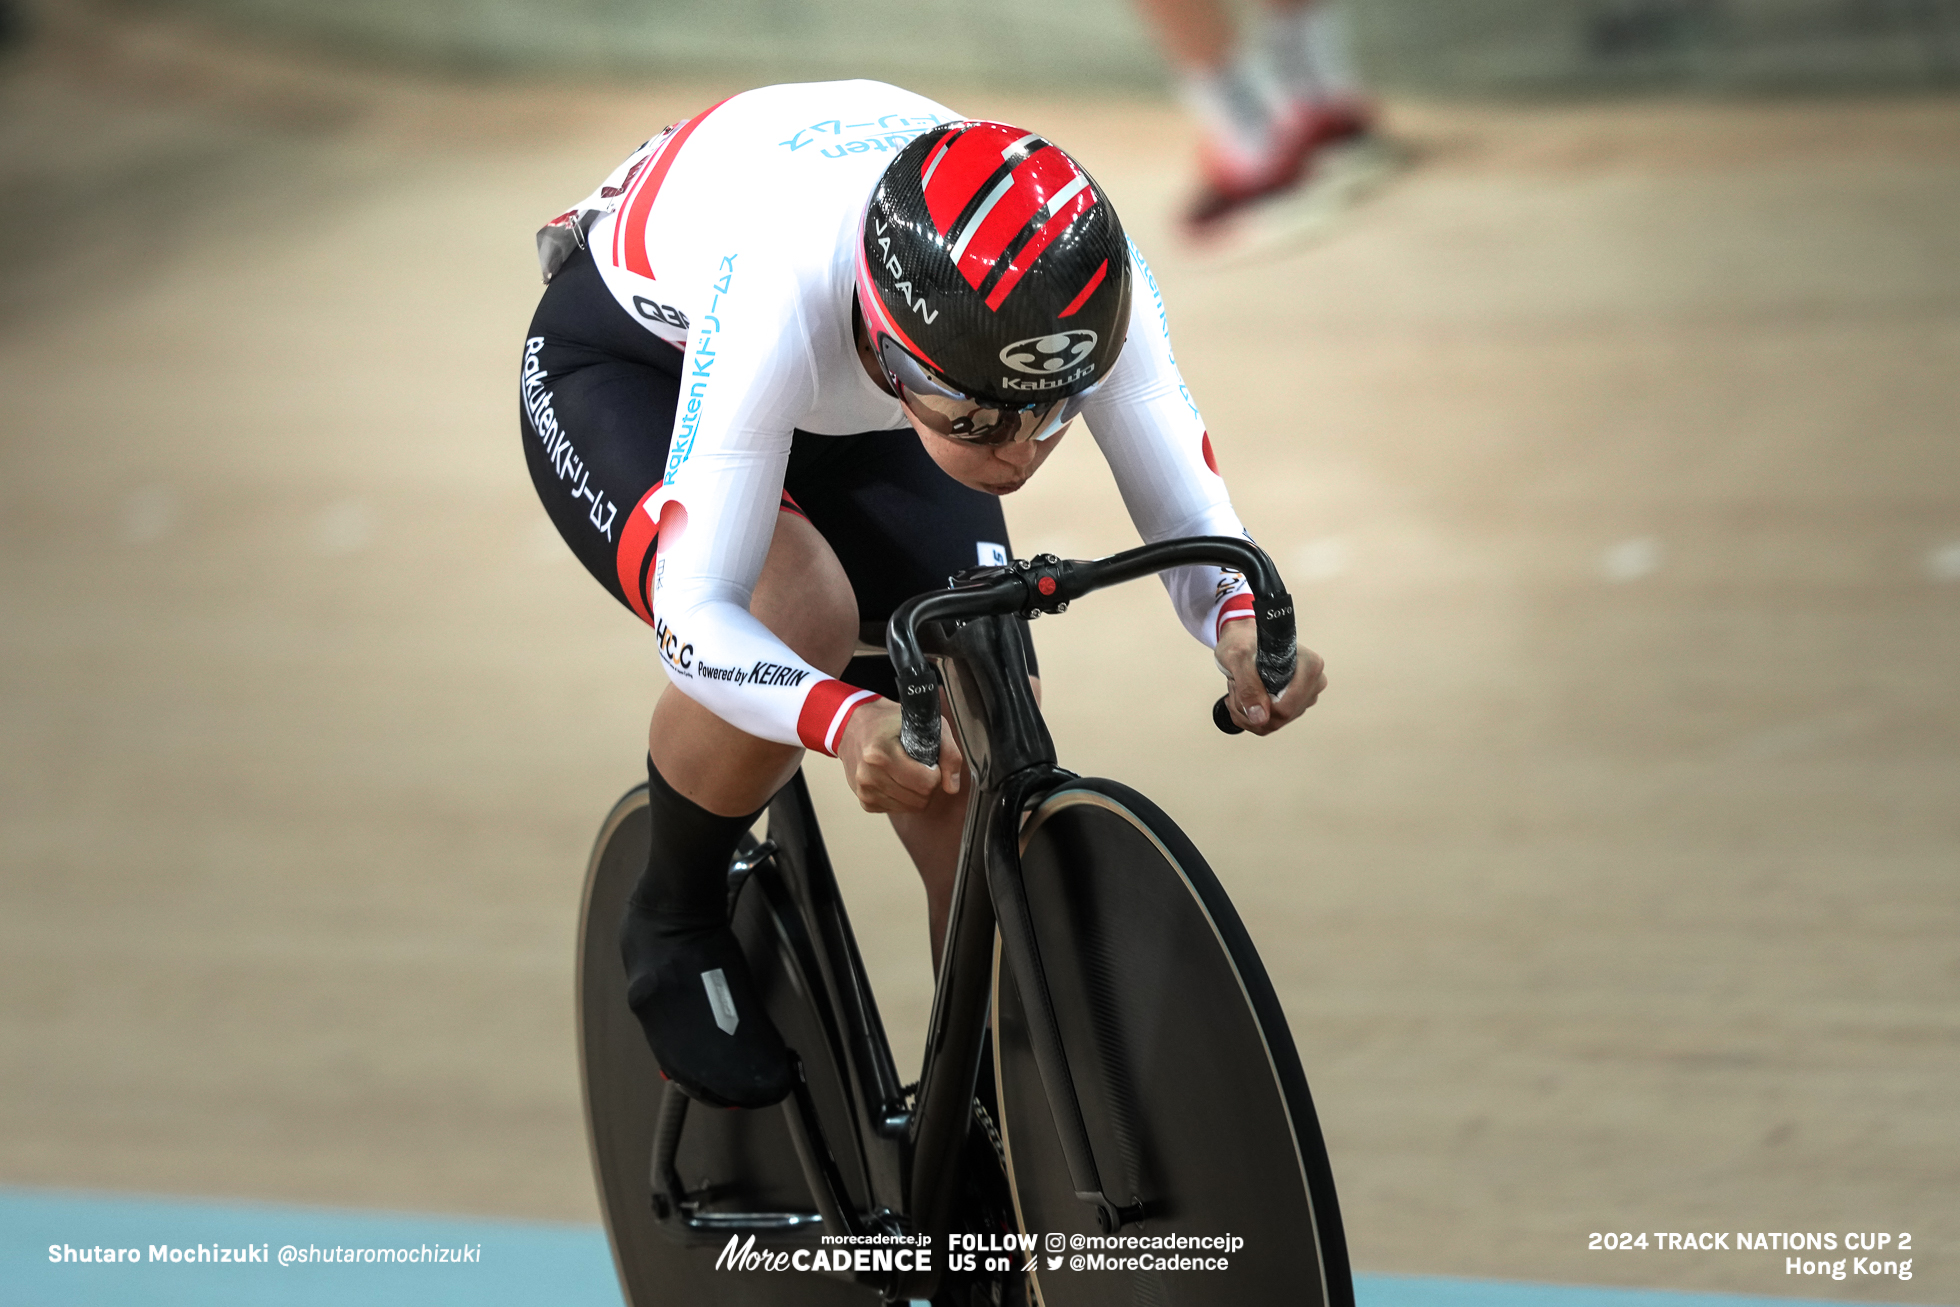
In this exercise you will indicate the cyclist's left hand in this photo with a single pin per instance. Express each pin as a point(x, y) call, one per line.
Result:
point(1250, 705)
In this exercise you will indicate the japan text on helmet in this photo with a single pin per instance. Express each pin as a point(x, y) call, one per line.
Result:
point(990, 257)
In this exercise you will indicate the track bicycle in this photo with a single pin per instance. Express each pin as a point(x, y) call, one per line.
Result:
point(1110, 1107)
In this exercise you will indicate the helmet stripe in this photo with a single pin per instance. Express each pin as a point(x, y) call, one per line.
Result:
point(980, 216)
point(938, 153)
point(971, 161)
point(1011, 265)
point(1068, 193)
point(1083, 296)
point(1083, 201)
point(1041, 184)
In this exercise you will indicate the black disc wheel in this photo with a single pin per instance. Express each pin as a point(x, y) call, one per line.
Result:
point(1189, 1084)
point(735, 1173)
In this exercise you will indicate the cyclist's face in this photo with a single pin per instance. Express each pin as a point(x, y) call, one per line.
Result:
point(994, 469)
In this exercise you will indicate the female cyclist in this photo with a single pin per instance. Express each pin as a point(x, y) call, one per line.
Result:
point(789, 356)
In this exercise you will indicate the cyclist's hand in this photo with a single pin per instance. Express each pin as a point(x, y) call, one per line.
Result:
point(1251, 707)
point(881, 773)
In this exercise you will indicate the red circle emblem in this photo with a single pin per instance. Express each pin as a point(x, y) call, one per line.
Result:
point(1046, 585)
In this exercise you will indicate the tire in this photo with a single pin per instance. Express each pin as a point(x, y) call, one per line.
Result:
point(1188, 1080)
point(728, 1160)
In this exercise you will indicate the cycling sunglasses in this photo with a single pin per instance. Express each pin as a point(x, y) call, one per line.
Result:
point(955, 415)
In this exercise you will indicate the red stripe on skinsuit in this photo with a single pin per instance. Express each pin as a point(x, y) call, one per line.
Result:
point(640, 534)
point(633, 223)
point(820, 706)
point(635, 539)
point(1236, 609)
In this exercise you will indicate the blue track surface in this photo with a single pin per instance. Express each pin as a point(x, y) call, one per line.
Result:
point(516, 1263)
point(513, 1264)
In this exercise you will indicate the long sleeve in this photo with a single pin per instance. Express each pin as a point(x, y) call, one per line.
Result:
point(747, 374)
point(1150, 432)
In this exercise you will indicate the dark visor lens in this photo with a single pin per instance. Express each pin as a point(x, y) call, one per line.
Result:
point(955, 415)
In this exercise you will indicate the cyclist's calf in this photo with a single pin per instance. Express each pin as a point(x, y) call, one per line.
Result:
point(687, 980)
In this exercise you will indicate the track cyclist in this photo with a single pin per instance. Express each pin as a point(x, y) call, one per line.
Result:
point(789, 356)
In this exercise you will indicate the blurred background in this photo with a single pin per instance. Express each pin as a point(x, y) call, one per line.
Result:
point(1610, 449)
point(1581, 46)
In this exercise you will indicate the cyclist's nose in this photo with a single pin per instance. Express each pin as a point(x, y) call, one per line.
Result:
point(1019, 453)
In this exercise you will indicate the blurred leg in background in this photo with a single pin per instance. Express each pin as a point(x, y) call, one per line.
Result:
point(13, 23)
point(1267, 100)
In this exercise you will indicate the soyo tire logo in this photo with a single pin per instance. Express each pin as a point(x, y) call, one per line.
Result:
point(1041, 355)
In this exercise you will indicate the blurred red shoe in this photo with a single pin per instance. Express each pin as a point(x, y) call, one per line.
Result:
point(1229, 183)
point(1330, 122)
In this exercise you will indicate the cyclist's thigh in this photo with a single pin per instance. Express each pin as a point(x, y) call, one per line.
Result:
point(598, 395)
point(898, 525)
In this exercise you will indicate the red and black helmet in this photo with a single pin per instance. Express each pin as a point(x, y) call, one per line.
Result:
point(993, 260)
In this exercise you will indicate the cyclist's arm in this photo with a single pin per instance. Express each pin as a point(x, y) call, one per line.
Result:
point(747, 375)
point(1149, 429)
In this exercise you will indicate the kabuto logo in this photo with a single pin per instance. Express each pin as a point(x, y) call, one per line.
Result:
point(1042, 355)
point(1022, 386)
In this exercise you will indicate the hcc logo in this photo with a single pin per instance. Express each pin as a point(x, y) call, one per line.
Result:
point(1041, 355)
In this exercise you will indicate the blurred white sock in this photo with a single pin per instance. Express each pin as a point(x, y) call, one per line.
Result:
point(1333, 58)
point(1239, 107)
point(1311, 52)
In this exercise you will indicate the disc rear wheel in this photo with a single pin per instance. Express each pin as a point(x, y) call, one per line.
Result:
point(728, 1162)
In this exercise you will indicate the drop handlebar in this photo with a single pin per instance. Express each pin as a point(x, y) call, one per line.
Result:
point(1047, 584)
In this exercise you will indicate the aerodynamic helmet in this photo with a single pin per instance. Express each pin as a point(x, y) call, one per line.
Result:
point(994, 280)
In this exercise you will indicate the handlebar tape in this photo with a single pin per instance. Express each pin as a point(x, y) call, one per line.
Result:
point(1279, 643)
point(918, 723)
point(1279, 648)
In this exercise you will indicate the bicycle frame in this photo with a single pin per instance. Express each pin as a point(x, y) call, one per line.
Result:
point(910, 1153)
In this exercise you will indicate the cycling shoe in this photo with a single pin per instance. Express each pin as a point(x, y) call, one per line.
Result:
point(691, 989)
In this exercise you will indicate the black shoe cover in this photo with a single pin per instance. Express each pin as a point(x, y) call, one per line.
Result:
point(691, 990)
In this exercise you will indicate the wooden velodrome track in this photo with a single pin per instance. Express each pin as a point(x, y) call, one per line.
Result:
point(1611, 452)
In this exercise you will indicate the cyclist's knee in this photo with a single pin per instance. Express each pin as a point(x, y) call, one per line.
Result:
point(719, 766)
point(805, 598)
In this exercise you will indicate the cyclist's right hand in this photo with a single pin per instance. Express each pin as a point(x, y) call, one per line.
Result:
point(881, 773)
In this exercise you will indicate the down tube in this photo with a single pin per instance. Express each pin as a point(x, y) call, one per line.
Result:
point(952, 1056)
